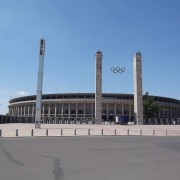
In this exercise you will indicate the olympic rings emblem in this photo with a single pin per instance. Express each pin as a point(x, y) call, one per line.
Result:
point(118, 69)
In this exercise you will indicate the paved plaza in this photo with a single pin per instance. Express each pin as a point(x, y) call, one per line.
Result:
point(90, 158)
point(24, 130)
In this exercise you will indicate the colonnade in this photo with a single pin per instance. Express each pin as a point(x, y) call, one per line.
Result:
point(75, 110)
point(71, 110)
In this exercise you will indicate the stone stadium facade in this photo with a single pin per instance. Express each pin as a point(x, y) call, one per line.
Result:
point(80, 108)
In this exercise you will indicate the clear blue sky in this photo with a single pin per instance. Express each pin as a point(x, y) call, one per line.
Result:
point(74, 30)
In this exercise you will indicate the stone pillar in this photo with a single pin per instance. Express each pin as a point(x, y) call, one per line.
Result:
point(18, 110)
point(43, 109)
point(55, 111)
point(138, 97)
point(28, 110)
point(129, 112)
point(49, 111)
point(92, 110)
point(159, 115)
point(107, 110)
point(84, 115)
point(122, 109)
point(98, 94)
point(40, 84)
point(24, 110)
point(76, 111)
point(14, 111)
point(33, 110)
point(115, 109)
point(62, 112)
point(11, 111)
point(171, 113)
point(69, 111)
point(21, 110)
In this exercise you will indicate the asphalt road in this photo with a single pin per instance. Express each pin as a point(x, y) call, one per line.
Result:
point(90, 158)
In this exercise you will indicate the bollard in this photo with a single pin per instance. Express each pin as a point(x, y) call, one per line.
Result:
point(0, 132)
point(89, 132)
point(128, 132)
point(46, 132)
point(166, 132)
point(16, 132)
point(61, 132)
point(115, 132)
point(102, 132)
point(32, 132)
point(75, 132)
point(140, 132)
point(153, 132)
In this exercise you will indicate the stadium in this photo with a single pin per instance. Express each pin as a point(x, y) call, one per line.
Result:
point(92, 108)
point(79, 108)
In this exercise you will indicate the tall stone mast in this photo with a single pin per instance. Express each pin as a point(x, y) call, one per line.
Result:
point(39, 84)
point(138, 97)
point(98, 94)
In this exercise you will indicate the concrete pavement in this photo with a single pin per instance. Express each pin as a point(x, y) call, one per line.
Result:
point(90, 158)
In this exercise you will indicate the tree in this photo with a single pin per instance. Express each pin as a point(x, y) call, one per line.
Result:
point(150, 107)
